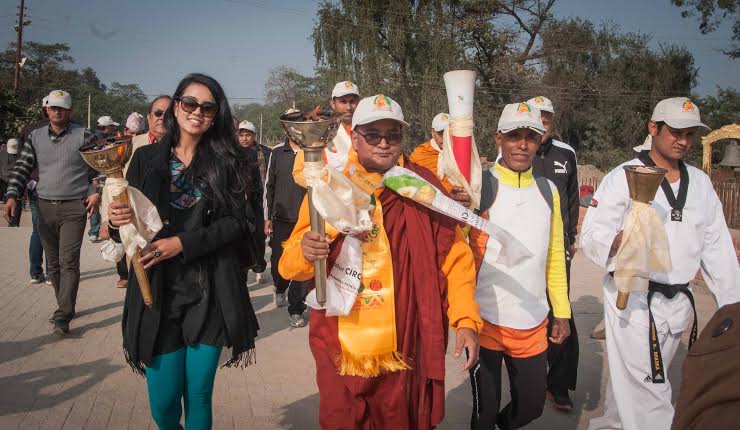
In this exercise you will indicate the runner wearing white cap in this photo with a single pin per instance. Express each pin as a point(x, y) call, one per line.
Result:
point(556, 161)
point(261, 157)
point(639, 393)
point(107, 126)
point(344, 99)
point(427, 155)
point(515, 301)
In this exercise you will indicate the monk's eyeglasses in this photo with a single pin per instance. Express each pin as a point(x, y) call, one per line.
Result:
point(373, 138)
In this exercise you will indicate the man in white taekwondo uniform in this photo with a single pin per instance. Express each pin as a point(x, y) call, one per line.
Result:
point(639, 394)
point(344, 99)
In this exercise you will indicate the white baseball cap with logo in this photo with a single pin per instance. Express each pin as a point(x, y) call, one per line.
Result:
point(59, 98)
point(520, 115)
point(343, 88)
point(45, 101)
point(441, 121)
point(542, 103)
point(105, 121)
point(375, 108)
point(246, 125)
point(677, 112)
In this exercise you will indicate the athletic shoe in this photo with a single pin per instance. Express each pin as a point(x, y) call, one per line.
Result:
point(37, 279)
point(280, 299)
point(297, 321)
point(61, 329)
point(48, 282)
point(94, 238)
point(560, 400)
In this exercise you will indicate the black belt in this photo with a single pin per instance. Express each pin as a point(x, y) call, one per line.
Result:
point(56, 202)
point(669, 291)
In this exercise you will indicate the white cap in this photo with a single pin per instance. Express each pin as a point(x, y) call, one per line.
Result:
point(520, 115)
point(375, 108)
point(343, 88)
point(542, 103)
point(647, 145)
point(60, 99)
point(677, 112)
point(246, 125)
point(12, 146)
point(441, 121)
point(105, 121)
point(135, 122)
point(45, 101)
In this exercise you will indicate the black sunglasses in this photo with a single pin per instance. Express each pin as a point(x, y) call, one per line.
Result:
point(158, 113)
point(373, 138)
point(190, 105)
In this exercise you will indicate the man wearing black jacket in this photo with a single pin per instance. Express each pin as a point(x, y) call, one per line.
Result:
point(283, 199)
point(556, 161)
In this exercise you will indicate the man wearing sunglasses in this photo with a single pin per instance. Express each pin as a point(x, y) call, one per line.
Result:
point(155, 120)
point(382, 366)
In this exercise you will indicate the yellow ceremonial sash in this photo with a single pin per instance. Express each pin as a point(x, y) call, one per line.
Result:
point(368, 334)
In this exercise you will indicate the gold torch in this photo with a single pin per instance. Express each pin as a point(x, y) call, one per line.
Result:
point(644, 241)
point(312, 133)
point(109, 156)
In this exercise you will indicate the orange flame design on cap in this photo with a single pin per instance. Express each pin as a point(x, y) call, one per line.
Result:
point(523, 107)
point(539, 100)
point(688, 106)
point(347, 84)
point(381, 101)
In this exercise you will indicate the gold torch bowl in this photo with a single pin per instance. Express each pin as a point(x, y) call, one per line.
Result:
point(643, 182)
point(311, 134)
point(111, 159)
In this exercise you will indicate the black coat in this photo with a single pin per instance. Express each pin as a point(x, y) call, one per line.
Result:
point(211, 246)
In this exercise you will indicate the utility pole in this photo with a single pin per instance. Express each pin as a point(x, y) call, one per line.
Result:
point(19, 45)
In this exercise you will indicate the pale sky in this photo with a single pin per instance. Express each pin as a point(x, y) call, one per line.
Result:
point(155, 44)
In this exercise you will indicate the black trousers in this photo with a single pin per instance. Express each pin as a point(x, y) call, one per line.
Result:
point(122, 268)
point(297, 291)
point(563, 358)
point(527, 379)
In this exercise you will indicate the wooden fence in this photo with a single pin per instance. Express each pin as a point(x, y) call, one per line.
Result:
point(728, 190)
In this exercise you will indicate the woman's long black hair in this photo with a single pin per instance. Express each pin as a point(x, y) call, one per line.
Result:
point(218, 158)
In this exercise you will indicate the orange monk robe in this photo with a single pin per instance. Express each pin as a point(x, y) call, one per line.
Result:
point(392, 400)
point(427, 156)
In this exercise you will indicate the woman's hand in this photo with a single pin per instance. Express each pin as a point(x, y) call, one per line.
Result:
point(160, 250)
point(120, 214)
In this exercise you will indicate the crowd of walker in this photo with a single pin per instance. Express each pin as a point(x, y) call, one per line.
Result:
point(382, 366)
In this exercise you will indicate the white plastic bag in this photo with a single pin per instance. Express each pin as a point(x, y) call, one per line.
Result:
point(343, 281)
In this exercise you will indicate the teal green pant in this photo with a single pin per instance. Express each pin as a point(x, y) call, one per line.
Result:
point(184, 376)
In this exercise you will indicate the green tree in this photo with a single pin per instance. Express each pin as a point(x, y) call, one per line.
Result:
point(710, 14)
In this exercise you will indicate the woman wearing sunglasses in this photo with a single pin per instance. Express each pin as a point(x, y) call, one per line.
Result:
point(194, 178)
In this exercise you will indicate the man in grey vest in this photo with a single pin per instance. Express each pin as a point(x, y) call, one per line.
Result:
point(64, 180)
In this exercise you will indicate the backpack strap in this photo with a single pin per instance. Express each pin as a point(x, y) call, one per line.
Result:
point(489, 189)
point(544, 186)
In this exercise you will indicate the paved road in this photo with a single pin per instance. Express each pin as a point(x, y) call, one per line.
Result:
point(83, 382)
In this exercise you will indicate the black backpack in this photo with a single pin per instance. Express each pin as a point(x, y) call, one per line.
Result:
point(489, 189)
